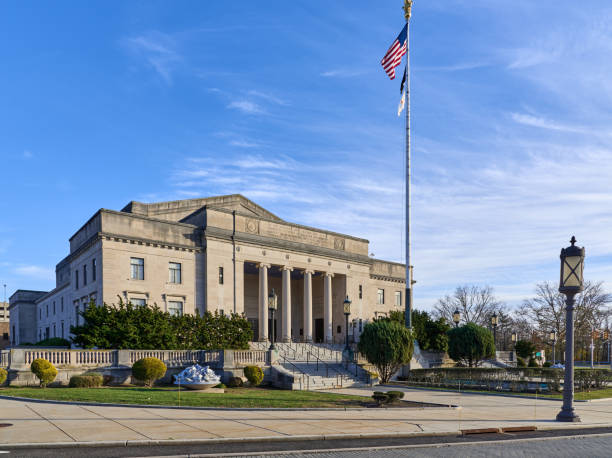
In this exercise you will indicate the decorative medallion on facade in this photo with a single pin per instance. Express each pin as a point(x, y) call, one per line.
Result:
point(339, 244)
point(252, 226)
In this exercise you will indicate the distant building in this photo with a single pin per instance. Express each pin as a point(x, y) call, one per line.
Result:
point(4, 325)
point(222, 254)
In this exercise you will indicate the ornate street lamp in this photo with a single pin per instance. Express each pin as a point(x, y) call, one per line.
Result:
point(494, 324)
point(456, 317)
point(272, 304)
point(553, 339)
point(347, 312)
point(570, 284)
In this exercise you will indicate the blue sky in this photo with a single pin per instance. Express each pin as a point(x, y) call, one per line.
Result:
point(286, 103)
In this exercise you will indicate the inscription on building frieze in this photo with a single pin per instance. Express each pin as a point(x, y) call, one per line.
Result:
point(295, 234)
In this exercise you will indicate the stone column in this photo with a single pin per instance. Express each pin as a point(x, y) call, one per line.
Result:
point(327, 307)
point(286, 331)
point(308, 306)
point(263, 302)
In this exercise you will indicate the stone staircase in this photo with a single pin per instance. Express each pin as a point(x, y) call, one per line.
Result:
point(308, 366)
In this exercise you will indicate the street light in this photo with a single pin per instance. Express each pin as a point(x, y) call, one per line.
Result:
point(457, 317)
point(553, 338)
point(513, 337)
point(570, 284)
point(347, 312)
point(494, 324)
point(272, 304)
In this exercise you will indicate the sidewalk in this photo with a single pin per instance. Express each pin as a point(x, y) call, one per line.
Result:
point(74, 424)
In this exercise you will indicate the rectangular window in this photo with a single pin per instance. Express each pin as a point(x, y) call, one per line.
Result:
point(62, 305)
point(54, 307)
point(360, 291)
point(62, 328)
point(380, 297)
point(175, 272)
point(76, 279)
point(175, 308)
point(54, 334)
point(93, 269)
point(47, 308)
point(220, 275)
point(84, 274)
point(360, 324)
point(138, 302)
point(398, 298)
point(137, 265)
point(76, 313)
point(40, 313)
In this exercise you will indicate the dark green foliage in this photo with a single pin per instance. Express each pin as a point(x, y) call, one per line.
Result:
point(235, 382)
point(520, 362)
point(547, 364)
point(3, 375)
point(53, 342)
point(220, 385)
point(508, 379)
point(470, 344)
point(533, 363)
point(44, 370)
point(254, 375)
point(133, 327)
point(524, 349)
point(431, 334)
point(148, 370)
point(86, 381)
point(388, 397)
point(387, 345)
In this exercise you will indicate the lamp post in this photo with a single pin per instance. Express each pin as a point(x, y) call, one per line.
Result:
point(494, 324)
point(570, 284)
point(553, 338)
point(272, 304)
point(513, 337)
point(347, 312)
point(456, 317)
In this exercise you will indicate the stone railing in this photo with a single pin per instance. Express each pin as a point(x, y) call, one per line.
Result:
point(21, 358)
point(5, 356)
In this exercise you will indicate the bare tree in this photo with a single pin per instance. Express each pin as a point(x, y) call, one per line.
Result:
point(475, 303)
point(547, 311)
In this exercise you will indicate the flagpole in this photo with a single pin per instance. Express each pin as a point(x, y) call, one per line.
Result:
point(409, 282)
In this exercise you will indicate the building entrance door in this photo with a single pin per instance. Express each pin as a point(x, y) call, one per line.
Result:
point(318, 337)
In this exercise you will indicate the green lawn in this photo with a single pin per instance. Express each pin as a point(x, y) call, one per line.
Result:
point(578, 396)
point(169, 396)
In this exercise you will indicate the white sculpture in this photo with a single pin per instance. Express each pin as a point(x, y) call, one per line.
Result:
point(197, 377)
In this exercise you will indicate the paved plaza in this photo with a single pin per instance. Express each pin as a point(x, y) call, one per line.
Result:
point(34, 422)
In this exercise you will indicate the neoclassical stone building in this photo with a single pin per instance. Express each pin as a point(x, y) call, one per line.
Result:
point(222, 253)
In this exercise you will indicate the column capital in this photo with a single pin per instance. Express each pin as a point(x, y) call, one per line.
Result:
point(263, 264)
point(329, 274)
point(308, 271)
point(289, 268)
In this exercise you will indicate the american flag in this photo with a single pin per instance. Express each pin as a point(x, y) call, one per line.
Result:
point(394, 54)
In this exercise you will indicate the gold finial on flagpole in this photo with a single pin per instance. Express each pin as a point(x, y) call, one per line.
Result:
point(407, 9)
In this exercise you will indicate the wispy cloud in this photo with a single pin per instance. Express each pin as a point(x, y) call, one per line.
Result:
point(37, 272)
point(246, 106)
point(27, 154)
point(543, 123)
point(243, 144)
point(341, 73)
point(268, 97)
point(158, 50)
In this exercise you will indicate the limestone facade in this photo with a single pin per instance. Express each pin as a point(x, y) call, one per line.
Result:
point(222, 254)
point(4, 325)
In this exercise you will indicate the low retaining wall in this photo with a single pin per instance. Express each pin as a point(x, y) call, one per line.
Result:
point(116, 365)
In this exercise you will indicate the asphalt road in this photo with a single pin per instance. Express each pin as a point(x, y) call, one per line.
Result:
point(559, 443)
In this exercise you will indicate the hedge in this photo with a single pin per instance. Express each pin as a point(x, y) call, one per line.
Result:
point(512, 378)
point(86, 381)
point(3, 375)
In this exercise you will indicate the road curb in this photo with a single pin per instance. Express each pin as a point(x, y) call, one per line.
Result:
point(223, 440)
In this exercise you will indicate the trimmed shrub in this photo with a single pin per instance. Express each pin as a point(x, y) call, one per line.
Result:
point(53, 342)
point(520, 362)
point(254, 375)
point(235, 382)
point(547, 364)
point(86, 381)
point(380, 397)
point(387, 398)
point(148, 370)
point(470, 344)
point(533, 363)
point(395, 396)
point(3, 375)
point(220, 385)
point(387, 345)
point(44, 370)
